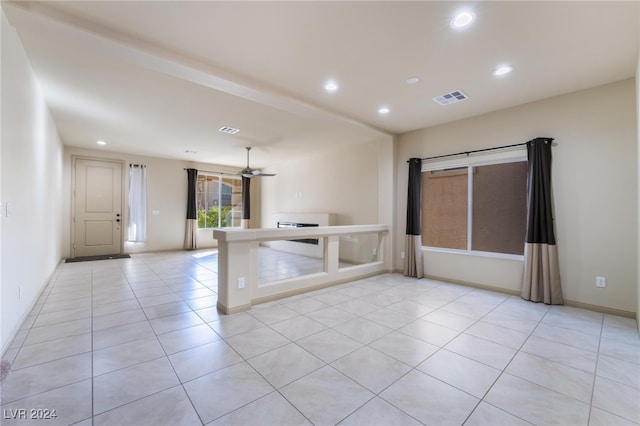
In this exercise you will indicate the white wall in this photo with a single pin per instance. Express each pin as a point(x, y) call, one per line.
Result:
point(355, 184)
point(166, 192)
point(343, 182)
point(31, 187)
point(595, 189)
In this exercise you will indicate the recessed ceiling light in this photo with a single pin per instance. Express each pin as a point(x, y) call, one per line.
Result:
point(331, 86)
point(383, 110)
point(412, 80)
point(502, 70)
point(463, 19)
point(101, 143)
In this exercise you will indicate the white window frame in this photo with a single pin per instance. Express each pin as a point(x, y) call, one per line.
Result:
point(220, 176)
point(483, 159)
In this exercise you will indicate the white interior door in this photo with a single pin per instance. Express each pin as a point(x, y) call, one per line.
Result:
point(97, 220)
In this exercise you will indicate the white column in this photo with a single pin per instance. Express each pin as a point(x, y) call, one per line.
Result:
point(237, 275)
point(332, 254)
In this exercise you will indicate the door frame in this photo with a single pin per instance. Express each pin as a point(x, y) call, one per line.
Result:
point(125, 208)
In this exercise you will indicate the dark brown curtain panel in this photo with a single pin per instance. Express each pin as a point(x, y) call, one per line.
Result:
point(541, 282)
point(191, 229)
point(413, 252)
point(246, 202)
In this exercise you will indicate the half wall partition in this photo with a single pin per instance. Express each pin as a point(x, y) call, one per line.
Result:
point(348, 253)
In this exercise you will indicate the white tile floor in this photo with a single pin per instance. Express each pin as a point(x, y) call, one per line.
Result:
point(138, 341)
point(274, 265)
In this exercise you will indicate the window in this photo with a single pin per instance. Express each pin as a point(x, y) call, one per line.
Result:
point(219, 201)
point(444, 208)
point(500, 208)
point(475, 207)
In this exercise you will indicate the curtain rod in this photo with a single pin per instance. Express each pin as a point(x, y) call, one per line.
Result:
point(209, 171)
point(482, 150)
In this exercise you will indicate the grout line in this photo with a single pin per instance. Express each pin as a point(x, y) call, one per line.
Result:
point(595, 371)
point(92, 370)
point(504, 369)
point(181, 265)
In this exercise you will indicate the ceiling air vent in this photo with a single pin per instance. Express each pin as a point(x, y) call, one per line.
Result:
point(227, 129)
point(451, 97)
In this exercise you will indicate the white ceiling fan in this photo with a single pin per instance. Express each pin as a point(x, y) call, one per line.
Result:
point(248, 172)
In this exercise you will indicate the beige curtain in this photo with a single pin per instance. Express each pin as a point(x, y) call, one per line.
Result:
point(190, 233)
point(542, 274)
point(413, 266)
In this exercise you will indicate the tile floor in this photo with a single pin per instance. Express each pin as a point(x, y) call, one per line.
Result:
point(138, 341)
point(276, 265)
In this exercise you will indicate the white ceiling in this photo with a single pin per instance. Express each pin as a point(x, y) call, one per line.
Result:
point(160, 78)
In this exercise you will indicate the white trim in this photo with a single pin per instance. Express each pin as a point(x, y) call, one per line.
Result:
point(220, 177)
point(475, 253)
point(508, 156)
point(123, 208)
point(225, 175)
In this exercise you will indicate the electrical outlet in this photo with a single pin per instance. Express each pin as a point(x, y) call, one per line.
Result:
point(241, 282)
point(601, 282)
